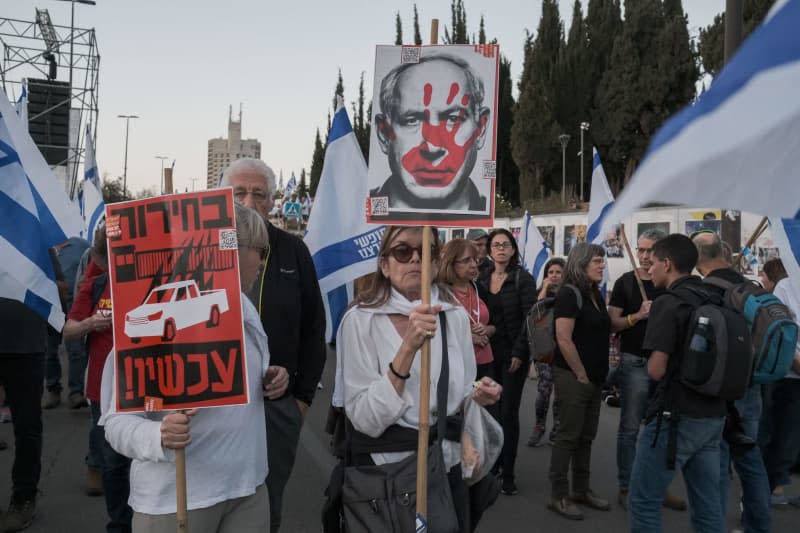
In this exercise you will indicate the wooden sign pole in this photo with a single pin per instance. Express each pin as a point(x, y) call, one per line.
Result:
point(633, 263)
point(180, 490)
point(425, 363)
point(763, 225)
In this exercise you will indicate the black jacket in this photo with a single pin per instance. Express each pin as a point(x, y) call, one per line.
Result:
point(518, 295)
point(289, 302)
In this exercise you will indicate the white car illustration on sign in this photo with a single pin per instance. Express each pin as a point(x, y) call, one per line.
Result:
point(174, 306)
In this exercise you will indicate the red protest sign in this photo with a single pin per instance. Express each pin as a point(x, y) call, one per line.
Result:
point(178, 329)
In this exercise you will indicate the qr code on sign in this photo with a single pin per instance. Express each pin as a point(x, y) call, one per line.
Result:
point(227, 239)
point(379, 206)
point(490, 169)
point(410, 54)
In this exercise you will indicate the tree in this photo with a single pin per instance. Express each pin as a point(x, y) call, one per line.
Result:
point(112, 191)
point(507, 171)
point(362, 123)
point(534, 134)
point(481, 33)
point(302, 187)
point(417, 36)
point(317, 160)
point(458, 21)
point(398, 30)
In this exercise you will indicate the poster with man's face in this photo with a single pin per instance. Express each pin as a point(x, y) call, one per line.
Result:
point(433, 139)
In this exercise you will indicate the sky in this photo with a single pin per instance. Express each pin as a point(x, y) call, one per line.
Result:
point(180, 64)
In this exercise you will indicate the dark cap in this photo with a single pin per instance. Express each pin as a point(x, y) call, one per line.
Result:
point(476, 233)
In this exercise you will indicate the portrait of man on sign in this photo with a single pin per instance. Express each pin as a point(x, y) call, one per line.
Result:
point(432, 151)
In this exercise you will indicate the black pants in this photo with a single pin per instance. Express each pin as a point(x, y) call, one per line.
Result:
point(513, 384)
point(284, 423)
point(22, 376)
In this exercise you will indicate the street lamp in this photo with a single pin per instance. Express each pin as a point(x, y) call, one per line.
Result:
point(564, 139)
point(162, 158)
point(125, 169)
point(584, 127)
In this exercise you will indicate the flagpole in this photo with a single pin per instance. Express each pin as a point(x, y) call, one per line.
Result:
point(425, 364)
point(633, 263)
point(737, 258)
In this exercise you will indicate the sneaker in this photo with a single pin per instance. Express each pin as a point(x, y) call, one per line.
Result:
point(5, 414)
point(622, 499)
point(536, 437)
point(590, 500)
point(19, 515)
point(673, 502)
point(77, 401)
point(51, 400)
point(612, 400)
point(94, 482)
point(565, 509)
point(779, 501)
point(509, 488)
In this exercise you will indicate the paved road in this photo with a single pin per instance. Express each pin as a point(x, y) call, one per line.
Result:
point(63, 507)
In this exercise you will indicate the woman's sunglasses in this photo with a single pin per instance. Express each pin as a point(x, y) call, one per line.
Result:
point(403, 253)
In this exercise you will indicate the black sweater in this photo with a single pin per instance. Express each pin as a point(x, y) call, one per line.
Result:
point(518, 294)
point(292, 313)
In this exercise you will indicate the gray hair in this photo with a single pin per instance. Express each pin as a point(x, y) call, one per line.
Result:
point(249, 163)
point(653, 234)
point(251, 230)
point(709, 250)
point(578, 261)
point(389, 96)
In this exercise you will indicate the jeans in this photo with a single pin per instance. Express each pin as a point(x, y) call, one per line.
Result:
point(513, 384)
point(116, 486)
point(697, 456)
point(634, 385)
point(52, 365)
point(22, 376)
point(97, 439)
point(579, 414)
point(284, 423)
point(756, 517)
point(76, 357)
point(544, 392)
point(779, 433)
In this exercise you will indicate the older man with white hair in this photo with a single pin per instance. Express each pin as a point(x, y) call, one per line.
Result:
point(289, 303)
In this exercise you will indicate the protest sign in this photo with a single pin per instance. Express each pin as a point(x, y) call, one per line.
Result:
point(178, 329)
point(433, 138)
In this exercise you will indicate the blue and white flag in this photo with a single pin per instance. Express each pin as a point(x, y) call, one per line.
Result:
point(290, 187)
point(93, 208)
point(600, 201)
point(533, 248)
point(22, 104)
point(786, 234)
point(736, 145)
point(343, 246)
point(35, 218)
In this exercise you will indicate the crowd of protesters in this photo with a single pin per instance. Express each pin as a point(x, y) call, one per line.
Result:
point(478, 320)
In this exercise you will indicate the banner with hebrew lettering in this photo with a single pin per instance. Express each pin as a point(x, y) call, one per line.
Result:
point(177, 309)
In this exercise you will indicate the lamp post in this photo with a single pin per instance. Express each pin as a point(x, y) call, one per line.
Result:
point(564, 139)
point(125, 168)
point(584, 127)
point(162, 158)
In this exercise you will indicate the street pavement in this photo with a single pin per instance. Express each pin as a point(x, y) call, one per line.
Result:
point(63, 507)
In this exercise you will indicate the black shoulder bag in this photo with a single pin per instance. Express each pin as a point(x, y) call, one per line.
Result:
point(383, 497)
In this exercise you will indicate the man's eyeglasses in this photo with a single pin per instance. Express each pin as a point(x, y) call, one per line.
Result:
point(644, 250)
point(258, 195)
point(403, 253)
point(501, 245)
point(467, 260)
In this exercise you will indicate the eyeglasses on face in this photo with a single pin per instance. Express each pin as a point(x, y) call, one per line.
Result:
point(403, 253)
point(259, 195)
point(467, 260)
point(501, 245)
point(644, 250)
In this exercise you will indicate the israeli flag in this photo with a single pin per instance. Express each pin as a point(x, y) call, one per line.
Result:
point(93, 208)
point(786, 234)
point(736, 145)
point(342, 245)
point(22, 104)
point(600, 201)
point(290, 187)
point(534, 249)
point(35, 218)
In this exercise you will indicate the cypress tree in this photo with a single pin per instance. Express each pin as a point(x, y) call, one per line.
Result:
point(507, 172)
point(317, 160)
point(398, 29)
point(361, 124)
point(481, 33)
point(417, 36)
point(302, 187)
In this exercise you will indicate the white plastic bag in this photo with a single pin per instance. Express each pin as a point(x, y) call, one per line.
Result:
point(481, 442)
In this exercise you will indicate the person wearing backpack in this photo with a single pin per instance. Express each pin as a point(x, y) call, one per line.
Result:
point(779, 431)
point(580, 367)
point(680, 424)
point(748, 462)
point(629, 315)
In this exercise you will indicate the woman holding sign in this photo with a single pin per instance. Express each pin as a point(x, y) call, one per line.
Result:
point(226, 447)
point(379, 340)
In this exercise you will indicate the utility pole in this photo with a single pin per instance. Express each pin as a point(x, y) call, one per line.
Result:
point(162, 158)
point(564, 139)
point(193, 180)
point(733, 27)
point(125, 169)
point(584, 127)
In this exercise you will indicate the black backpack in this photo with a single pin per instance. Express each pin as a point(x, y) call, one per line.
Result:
point(724, 367)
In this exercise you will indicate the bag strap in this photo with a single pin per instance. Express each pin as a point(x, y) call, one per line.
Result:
point(444, 382)
point(715, 281)
point(578, 295)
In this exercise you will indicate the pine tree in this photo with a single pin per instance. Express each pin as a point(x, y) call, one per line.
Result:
point(507, 172)
point(302, 187)
point(317, 160)
point(534, 134)
point(398, 29)
point(361, 124)
point(417, 36)
point(481, 33)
